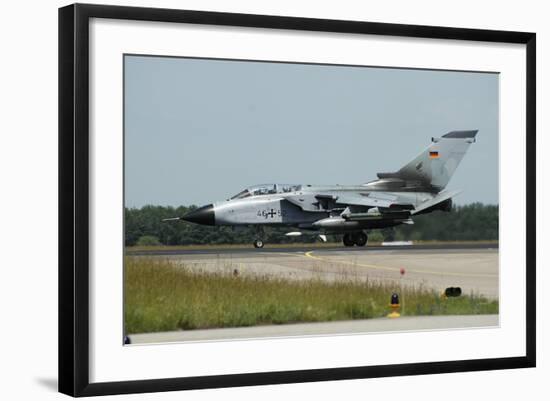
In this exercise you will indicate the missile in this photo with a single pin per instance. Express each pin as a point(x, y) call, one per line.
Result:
point(335, 222)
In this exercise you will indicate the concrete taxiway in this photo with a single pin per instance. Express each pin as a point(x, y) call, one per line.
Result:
point(412, 323)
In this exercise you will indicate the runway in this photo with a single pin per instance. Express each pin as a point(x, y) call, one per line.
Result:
point(305, 248)
point(412, 323)
point(474, 269)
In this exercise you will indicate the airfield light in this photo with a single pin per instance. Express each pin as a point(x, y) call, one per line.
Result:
point(394, 305)
point(394, 299)
point(453, 292)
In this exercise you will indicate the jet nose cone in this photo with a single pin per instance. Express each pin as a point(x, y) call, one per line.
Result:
point(203, 215)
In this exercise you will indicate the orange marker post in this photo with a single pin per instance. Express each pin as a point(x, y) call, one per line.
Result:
point(402, 273)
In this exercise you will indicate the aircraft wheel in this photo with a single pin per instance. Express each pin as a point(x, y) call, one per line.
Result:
point(360, 239)
point(348, 240)
point(258, 243)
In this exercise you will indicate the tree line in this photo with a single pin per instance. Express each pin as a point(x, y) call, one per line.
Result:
point(144, 226)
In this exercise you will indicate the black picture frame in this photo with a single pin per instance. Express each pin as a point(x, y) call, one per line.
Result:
point(74, 194)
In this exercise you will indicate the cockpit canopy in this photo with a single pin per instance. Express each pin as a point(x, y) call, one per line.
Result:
point(267, 189)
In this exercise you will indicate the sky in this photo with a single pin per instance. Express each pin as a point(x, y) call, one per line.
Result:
point(199, 130)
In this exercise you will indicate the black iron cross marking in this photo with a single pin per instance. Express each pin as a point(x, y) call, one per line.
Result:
point(271, 213)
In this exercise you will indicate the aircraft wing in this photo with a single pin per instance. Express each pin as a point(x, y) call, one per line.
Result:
point(356, 199)
point(440, 197)
point(390, 202)
point(312, 202)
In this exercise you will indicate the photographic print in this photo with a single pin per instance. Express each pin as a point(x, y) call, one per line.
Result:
point(273, 199)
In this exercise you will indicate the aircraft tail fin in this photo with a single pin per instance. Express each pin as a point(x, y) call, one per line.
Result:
point(435, 166)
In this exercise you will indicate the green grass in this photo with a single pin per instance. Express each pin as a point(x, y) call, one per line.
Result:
point(161, 297)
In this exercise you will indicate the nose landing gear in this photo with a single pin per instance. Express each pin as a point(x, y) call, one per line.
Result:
point(259, 241)
point(358, 238)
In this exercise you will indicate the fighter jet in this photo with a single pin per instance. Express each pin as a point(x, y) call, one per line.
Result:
point(393, 199)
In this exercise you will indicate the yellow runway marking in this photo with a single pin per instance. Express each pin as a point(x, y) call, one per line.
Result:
point(309, 255)
point(378, 267)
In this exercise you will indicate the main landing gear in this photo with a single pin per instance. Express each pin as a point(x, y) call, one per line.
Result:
point(358, 238)
point(258, 243)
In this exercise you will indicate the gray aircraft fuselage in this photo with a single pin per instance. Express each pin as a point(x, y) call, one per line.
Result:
point(275, 209)
point(393, 199)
